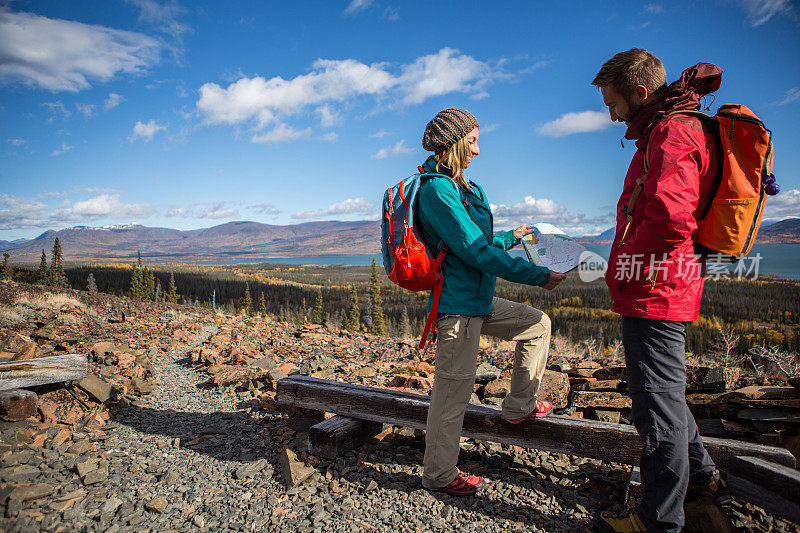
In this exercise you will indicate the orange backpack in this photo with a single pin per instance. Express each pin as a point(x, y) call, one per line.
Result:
point(728, 224)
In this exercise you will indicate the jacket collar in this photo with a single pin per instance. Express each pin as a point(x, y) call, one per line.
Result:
point(429, 166)
point(684, 93)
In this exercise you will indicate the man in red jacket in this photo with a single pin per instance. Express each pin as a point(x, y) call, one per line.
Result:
point(655, 278)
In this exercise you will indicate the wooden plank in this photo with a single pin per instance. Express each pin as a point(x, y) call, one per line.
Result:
point(562, 434)
point(777, 478)
point(756, 494)
point(17, 404)
point(41, 371)
point(710, 427)
point(770, 415)
point(774, 487)
point(340, 434)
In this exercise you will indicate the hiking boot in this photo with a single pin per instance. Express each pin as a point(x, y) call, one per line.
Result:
point(710, 486)
point(463, 485)
point(627, 522)
point(542, 409)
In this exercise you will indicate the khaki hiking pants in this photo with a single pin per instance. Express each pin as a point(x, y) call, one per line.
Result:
point(454, 380)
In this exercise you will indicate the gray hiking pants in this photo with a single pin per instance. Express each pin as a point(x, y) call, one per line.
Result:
point(673, 450)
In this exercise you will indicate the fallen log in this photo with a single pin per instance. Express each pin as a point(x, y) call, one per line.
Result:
point(561, 434)
point(774, 487)
point(41, 371)
point(340, 434)
point(17, 404)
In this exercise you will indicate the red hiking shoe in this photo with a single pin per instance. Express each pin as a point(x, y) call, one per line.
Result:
point(463, 485)
point(542, 409)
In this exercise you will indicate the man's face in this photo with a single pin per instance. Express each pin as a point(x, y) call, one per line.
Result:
point(620, 109)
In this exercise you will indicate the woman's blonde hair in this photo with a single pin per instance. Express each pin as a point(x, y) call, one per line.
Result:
point(455, 159)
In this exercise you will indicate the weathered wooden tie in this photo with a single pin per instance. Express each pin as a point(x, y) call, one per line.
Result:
point(340, 434)
point(774, 487)
point(41, 371)
point(562, 434)
point(17, 404)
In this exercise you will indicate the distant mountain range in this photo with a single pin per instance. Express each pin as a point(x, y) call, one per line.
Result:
point(785, 231)
point(234, 241)
point(238, 241)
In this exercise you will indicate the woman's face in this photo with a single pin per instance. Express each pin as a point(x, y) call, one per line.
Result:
point(472, 138)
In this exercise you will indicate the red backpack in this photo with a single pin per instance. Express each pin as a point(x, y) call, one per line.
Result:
point(409, 261)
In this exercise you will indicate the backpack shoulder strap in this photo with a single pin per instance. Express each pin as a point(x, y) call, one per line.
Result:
point(426, 175)
point(713, 126)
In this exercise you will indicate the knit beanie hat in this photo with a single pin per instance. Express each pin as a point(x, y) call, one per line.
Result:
point(446, 128)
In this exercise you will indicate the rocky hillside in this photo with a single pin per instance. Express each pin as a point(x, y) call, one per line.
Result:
point(176, 428)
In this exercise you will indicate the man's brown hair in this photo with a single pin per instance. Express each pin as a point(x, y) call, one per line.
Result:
point(628, 69)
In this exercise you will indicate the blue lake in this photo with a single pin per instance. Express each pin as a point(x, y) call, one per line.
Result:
point(782, 260)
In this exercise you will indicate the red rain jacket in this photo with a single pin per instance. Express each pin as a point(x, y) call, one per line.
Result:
point(655, 274)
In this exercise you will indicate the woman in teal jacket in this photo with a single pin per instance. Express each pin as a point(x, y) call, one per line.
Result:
point(456, 212)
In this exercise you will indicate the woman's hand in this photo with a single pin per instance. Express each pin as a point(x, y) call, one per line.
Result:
point(521, 231)
point(555, 279)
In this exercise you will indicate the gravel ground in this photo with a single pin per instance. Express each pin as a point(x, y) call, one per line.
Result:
point(191, 457)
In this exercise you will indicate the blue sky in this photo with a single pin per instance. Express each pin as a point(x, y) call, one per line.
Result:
point(192, 114)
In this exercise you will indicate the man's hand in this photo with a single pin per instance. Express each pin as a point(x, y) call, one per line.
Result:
point(555, 279)
point(521, 231)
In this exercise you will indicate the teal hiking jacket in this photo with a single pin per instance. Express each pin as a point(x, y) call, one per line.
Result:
point(476, 254)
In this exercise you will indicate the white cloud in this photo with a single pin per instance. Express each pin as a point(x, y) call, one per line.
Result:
point(785, 204)
point(145, 131)
point(399, 148)
point(262, 102)
point(442, 73)
point(56, 108)
point(532, 210)
point(391, 13)
point(266, 209)
point(54, 194)
point(356, 6)
point(261, 99)
point(106, 205)
point(351, 206)
point(164, 17)
point(64, 149)
point(281, 133)
point(16, 213)
point(86, 109)
point(218, 210)
point(112, 101)
point(656, 9)
point(761, 11)
point(580, 122)
point(17, 142)
point(791, 95)
point(331, 136)
point(380, 134)
point(489, 128)
point(328, 116)
point(62, 55)
point(177, 212)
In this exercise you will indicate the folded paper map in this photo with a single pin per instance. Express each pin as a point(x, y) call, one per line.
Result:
point(550, 247)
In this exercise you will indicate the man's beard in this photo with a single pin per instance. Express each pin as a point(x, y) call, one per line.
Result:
point(633, 110)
